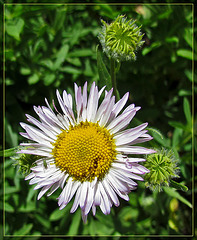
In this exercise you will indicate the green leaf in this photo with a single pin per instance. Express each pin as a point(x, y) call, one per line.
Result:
point(14, 30)
point(173, 193)
point(8, 207)
point(155, 131)
point(185, 53)
point(172, 39)
point(88, 70)
point(81, 53)
point(71, 70)
point(11, 136)
point(58, 214)
point(43, 221)
point(178, 186)
point(188, 37)
point(49, 79)
point(29, 207)
point(127, 214)
point(60, 18)
point(153, 46)
point(75, 61)
point(31, 193)
point(9, 190)
point(25, 71)
point(104, 76)
point(47, 63)
point(33, 79)
point(177, 125)
point(76, 219)
point(189, 74)
point(186, 108)
point(61, 56)
point(184, 93)
point(105, 220)
point(157, 136)
point(25, 230)
point(176, 139)
point(92, 227)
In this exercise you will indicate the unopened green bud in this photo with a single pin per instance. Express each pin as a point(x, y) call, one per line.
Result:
point(121, 39)
point(163, 167)
point(24, 162)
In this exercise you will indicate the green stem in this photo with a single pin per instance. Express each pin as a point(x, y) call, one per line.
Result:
point(113, 78)
point(8, 152)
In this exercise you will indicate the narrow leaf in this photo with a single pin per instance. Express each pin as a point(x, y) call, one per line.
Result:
point(185, 53)
point(186, 107)
point(24, 230)
point(73, 229)
point(173, 193)
point(104, 76)
point(179, 186)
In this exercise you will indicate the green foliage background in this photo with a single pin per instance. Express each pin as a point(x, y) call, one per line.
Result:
point(53, 46)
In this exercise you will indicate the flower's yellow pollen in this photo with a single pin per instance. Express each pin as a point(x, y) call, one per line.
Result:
point(85, 151)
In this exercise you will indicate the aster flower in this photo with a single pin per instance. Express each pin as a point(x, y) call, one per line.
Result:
point(89, 155)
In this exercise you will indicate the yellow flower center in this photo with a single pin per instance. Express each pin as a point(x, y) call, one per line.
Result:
point(85, 151)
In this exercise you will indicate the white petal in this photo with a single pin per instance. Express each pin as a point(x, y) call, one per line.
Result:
point(128, 139)
point(70, 99)
point(122, 186)
point(111, 193)
point(46, 129)
point(65, 193)
point(140, 168)
point(84, 217)
point(103, 105)
point(92, 103)
point(64, 108)
point(31, 175)
point(53, 188)
point(97, 199)
point(83, 196)
point(76, 201)
point(135, 150)
point(105, 202)
point(63, 180)
point(114, 186)
point(107, 112)
point(126, 171)
point(84, 110)
point(43, 191)
point(135, 160)
point(118, 106)
point(36, 152)
point(121, 121)
point(90, 198)
point(67, 98)
point(35, 133)
point(122, 177)
point(93, 210)
point(101, 91)
point(74, 189)
point(131, 131)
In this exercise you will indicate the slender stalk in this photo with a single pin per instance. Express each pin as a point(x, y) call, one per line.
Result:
point(113, 78)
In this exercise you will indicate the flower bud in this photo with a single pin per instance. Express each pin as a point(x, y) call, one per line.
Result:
point(24, 161)
point(163, 167)
point(121, 39)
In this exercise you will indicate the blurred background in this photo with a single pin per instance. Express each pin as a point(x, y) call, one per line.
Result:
point(49, 47)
